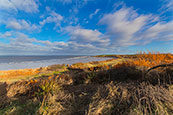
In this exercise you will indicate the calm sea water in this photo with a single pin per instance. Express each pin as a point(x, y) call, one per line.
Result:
point(22, 62)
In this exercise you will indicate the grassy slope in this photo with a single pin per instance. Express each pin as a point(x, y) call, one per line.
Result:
point(117, 86)
point(26, 74)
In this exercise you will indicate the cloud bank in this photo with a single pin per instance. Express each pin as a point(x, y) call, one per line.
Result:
point(29, 6)
point(114, 31)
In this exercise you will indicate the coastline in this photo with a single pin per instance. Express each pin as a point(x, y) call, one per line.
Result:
point(45, 63)
point(99, 85)
point(29, 73)
point(87, 62)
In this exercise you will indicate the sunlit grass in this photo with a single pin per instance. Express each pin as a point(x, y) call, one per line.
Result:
point(152, 59)
point(115, 86)
point(24, 74)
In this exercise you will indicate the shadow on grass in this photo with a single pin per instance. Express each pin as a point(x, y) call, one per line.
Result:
point(3, 94)
point(121, 74)
point(131, 84)
point(16, 99)
point(124, 73)
point(117, 90)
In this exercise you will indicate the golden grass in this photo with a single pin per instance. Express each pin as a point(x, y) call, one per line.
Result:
point(24, 74)
point(98, 64)
point(17, 74)
point(20, 72)
point(151, 59)
point(142, 59)
point(117, 87)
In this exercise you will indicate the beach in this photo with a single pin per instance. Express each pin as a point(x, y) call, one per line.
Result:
point(26, 62)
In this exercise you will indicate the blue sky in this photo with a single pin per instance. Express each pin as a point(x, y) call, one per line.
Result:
point(85, 27)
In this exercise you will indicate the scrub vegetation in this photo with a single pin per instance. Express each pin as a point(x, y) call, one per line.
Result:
point(124, 85)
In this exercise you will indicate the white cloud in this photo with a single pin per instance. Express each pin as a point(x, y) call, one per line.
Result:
point(65, 1)
point(91, 15)
point(5, 35)
point(125, 27)
point(14, 25)
point(170, 5)
point(52, 18)
point(24, 44)
point(23, 5)
point(167, 5)
point(160, 31)
point(81, 35)
point(6, 4)
point(23, 38)
point(123, 24)
point(21, 25)
point(118, 4)
point(78, 2)
point(76, 5)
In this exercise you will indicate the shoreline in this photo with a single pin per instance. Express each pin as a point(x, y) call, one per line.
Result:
point(46, 63)
point(112, 60)
point(29, 73)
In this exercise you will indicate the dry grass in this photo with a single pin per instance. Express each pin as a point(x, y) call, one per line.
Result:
point(24, 74)
point(13, 75)
point(96, 64)
point(131, 99)
point(16, 73)
point(113, 87)
point(152, 59)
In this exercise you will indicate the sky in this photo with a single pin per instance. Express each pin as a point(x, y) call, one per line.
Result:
point(85, 27)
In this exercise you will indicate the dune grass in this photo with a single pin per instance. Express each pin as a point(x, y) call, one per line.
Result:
point(26, 74)
point(112, 87)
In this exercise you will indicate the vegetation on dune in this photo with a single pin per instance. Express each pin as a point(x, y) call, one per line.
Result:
point(25, 74)
point(152, 59)
point(18, 73)
point(112, 87)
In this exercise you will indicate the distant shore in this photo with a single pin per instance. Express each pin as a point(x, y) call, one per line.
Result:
point(44, 63)
point(27, 73)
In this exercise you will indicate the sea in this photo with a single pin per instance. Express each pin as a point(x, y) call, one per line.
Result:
point(23, 62)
